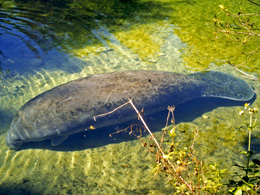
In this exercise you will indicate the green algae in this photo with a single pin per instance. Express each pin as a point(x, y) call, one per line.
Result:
point(141, 35)
point(197, 29)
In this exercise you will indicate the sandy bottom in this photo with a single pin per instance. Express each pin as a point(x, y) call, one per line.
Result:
point(124, 168)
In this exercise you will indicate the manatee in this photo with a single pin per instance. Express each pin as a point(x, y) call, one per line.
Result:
point(78, 105)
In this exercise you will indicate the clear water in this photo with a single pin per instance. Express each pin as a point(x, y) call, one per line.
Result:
point(47, 43)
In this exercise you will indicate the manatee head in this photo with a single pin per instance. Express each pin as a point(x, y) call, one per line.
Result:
point(15, 136)
point(13, 140)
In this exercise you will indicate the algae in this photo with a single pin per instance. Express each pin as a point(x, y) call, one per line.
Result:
point(197, 29)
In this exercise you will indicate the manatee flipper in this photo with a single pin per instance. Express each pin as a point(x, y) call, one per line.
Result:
point(222, 85)
point(55, 141)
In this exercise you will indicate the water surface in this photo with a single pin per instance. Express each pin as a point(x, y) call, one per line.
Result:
point(47, 43)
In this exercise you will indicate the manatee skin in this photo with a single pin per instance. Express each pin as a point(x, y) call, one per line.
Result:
point(70, 108)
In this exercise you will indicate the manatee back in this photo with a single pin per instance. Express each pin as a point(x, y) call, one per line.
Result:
point(222, 85)
point(70, 108)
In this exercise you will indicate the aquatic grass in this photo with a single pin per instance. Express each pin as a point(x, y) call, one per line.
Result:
point(245, 179)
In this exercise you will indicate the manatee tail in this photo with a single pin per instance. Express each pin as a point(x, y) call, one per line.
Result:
point(222, 85)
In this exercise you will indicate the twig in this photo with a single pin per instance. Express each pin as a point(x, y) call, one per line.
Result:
point(195, 135)
point(160, 149)
point(171, 109)
point(253, 2)
point(131, 130)
point(109, 95)
point(140, 116)
point(95, 117)
point(154, 139)
point(239, 32)
point(252, 77)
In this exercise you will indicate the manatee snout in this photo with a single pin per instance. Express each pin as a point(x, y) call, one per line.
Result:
point(13, 141)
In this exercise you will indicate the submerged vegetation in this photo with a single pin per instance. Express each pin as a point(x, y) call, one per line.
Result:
point(241, 28)
point(218, 32)
point(247, 178)
point(187, 173)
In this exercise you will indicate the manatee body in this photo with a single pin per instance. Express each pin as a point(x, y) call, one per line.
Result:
point(72, 107)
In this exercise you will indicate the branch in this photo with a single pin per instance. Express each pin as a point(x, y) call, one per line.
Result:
point(253, 2)
point(154, 139)
point(249, 76)
point(95, 117)
point(147, 128)
point(237, 32)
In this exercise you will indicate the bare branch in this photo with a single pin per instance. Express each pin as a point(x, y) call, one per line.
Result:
point(249, 76)
point(253, 2)
point(95, 117)
point(160, 152)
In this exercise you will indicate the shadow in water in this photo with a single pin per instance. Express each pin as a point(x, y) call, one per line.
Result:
point(255, 146)
point(185, 112)
point(15, 189)
point(5, 120)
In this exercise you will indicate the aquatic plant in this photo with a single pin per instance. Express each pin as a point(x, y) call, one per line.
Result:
point(183, 170)
point(201, 177)
point(240, 27)
point(248, 178)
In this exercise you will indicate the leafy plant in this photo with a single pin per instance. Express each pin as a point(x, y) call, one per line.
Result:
point(248, 179)
point(184, 171)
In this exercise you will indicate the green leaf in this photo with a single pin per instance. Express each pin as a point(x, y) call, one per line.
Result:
point(243, 152)
point(238, 192)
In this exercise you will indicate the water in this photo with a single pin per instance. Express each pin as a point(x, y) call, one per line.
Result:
point(47, 43)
